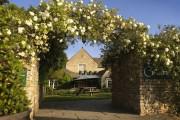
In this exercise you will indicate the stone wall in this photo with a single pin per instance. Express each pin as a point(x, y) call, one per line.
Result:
point(32, 86)
point(155, 96)
point(131, 91)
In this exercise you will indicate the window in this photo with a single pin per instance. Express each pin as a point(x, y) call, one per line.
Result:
point(108, 83)
point(82, 67)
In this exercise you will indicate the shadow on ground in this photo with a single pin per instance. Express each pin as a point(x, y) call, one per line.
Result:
point(90, 110)
point(83, 105)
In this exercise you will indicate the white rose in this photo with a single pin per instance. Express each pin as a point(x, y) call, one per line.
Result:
point(157, 56)
point(46, 14)
point(20, 29)
point(33, 54)
point(92, 12)
point(91, 0)
point(74, 9)
point(8, 32)
point(89, 27)
point(22, 54)
point(81, 1)
point(41, 42)
point(37, 37)
point(141, 24)
point(55, 19)
point(72, 30)
point(88, 17)
point(36, 27)
point(118, 16)
point(173, 53)
point(147, 36)
point(157, 45)
point(80, 10)
point(45, 36)
point(83, 30)
point(19, 22)
point(94, 41)
point(127, 41)
point(35, 18)
point(77, 33)
point(152, 44)
point(33, 58)
point(94, 5)
point(145, 43)
point(135, 25)
point(49, 24)
point(31, 13)
point(59, 3)
point(148, 26)
point(28, 22)
point(33, 35)
point(123, 25)
point(166, 49)
point(48, 7)
point(70, 21)
point(61, 40)
point(132, 47)
point(168, 62)
point(104, 37)
point(144, 53)
point(23, 42)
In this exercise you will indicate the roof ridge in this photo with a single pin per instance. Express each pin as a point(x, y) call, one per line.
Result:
point(85, 52)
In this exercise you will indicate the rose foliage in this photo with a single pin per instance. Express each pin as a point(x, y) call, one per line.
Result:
point(26, 34)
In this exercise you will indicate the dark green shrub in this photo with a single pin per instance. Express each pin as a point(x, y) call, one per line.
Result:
point(12, 94)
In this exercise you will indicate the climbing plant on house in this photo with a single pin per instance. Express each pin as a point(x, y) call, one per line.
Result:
point(66, 21)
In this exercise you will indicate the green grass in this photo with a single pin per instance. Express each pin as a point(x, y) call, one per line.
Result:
point(70, 97)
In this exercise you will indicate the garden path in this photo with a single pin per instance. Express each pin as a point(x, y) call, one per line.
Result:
point(89, 110)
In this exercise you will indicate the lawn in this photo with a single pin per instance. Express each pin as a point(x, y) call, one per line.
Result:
point(73, 97)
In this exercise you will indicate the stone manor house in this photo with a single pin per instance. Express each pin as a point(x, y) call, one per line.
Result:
point(87, 71)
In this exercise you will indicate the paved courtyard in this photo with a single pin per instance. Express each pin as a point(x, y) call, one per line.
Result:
point(89, 110)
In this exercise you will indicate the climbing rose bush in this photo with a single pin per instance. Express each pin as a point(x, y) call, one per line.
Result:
point(27, 35)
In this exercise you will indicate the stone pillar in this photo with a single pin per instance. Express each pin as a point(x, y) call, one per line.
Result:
point(125, 83)
point(32, 86)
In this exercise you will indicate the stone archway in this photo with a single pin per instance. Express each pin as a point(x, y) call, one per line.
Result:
point(92, 22)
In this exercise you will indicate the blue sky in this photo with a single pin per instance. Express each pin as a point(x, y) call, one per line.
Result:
point(151, 12)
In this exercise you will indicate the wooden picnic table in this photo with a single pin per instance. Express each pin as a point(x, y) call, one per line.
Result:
point(90, 90)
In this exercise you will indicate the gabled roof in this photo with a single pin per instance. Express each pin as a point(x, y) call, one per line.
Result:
point(83, 50)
